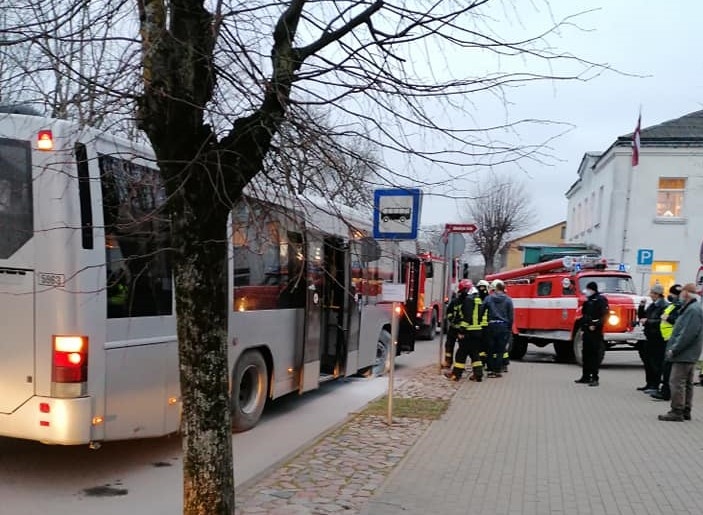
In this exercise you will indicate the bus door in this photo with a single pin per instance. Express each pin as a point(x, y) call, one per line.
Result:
point(310, 372)
point(410, 275)
point(352, 308)
point(335, 304)
point(17, 280)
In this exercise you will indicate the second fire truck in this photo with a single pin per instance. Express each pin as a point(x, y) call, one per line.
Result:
point(547, 298)
point(431, 293)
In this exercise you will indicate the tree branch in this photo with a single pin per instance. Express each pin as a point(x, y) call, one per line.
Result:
point(336, 35)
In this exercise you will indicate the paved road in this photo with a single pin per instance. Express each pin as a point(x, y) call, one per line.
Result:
point(145, 476)
point(534, 442)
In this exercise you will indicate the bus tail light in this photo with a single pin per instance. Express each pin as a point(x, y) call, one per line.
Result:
point(45, 140)
point(69, 371)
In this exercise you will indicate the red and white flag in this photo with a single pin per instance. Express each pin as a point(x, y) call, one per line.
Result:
point(636, 142)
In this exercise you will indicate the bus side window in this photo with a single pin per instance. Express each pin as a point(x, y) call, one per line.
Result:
point(137, 236)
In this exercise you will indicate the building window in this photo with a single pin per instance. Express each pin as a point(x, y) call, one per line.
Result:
point(670, 197)
point(600, 205)
point(562, 233)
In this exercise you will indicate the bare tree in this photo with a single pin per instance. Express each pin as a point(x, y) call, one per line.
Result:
point(308, 156)
point(501, 208)
point(65, 60)
point(219, 80)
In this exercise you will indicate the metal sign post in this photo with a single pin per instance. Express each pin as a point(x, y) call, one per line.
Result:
point(396, 217)
point(445, 239)
point(454, 245)
point(396, 293)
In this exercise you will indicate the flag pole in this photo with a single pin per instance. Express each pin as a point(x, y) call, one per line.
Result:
point(628, 194)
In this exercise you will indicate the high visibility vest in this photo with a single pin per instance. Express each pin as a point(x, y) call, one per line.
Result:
point(665, 326)
point(474, 324)
point(484, 320)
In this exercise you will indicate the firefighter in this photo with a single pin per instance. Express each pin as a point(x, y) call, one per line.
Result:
point(500, 322)
point(594, 310)
point(483, 286)
point(468, 322)
point(452, 314)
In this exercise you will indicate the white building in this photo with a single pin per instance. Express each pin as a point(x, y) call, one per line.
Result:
point(656, 205)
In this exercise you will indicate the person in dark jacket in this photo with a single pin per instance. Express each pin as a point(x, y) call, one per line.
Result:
point(668, 319)
point(500, 323)
point(594, 310)
point(653, 353)
point(683, 350)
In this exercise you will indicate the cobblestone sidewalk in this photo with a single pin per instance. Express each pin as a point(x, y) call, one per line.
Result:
point(340, 471)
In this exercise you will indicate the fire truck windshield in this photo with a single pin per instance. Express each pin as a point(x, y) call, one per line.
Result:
point(609, 283)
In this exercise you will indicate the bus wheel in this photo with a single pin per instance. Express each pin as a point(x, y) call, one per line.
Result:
point(249, 391)
point(518, 349)
point(382, 362)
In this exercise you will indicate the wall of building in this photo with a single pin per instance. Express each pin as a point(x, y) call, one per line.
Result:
point(675, 240)
point(553, 235)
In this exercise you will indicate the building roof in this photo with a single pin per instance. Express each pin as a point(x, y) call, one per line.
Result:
point(683, 131)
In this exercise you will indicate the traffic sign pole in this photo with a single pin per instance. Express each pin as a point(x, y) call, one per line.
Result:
point(447, 274)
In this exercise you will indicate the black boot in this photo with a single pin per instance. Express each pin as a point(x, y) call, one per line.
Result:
point(583, 380)
point(672, 416)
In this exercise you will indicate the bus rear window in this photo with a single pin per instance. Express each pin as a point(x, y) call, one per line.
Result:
point(16, 215)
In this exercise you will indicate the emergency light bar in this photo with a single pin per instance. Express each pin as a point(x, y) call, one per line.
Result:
point(576, 264)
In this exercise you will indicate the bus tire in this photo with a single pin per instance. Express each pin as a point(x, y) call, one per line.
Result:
point(249, 391)
point(382, 362)
point(518, 349)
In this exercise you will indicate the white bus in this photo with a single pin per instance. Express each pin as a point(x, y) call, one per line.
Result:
point(87, 301)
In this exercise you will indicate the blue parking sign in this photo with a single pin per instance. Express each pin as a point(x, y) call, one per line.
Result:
point(645, 256)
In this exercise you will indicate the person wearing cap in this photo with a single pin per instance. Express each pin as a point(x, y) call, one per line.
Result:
point(594, 311)
point(652, 354)
point(669, 316)
point(683, 350)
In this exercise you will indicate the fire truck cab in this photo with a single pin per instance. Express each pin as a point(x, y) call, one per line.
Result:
point(547, 298)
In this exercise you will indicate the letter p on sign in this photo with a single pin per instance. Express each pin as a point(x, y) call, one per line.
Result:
point(645, 256)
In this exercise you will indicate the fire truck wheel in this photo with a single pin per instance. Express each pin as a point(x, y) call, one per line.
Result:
point(429, 332)
point(249, 391)
point(578, 348)
point(518, 348)
point(564, 351)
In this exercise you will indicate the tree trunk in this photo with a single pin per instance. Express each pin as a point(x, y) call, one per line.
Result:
point(201, 286)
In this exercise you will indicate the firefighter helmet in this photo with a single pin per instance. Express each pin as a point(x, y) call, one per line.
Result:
point(496, 283)
point(465, 285)
point(484, 283)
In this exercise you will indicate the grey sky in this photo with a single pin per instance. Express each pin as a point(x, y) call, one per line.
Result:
point(660, 41)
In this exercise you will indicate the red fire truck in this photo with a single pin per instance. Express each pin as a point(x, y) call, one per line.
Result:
point(431, 293)
point(547, 298)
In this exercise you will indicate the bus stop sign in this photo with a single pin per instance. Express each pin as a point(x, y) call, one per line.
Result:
point(396, 213)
